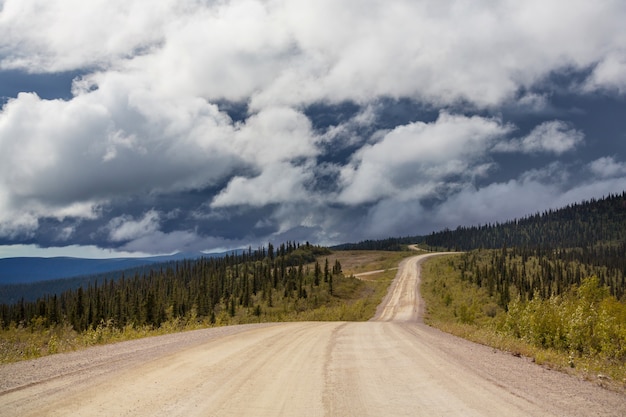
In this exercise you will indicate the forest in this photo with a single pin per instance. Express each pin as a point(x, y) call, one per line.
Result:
point(555, 281)
point(545, 254)
point(577, 225)
point(389, 244)
point(202, 288)
point(526, 273)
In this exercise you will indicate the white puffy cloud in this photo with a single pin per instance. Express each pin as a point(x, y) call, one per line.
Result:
point(437, 52)
point(609, 74)
point(124, 228)
point(607, 167)
point(278, 183)
point(121, 139)
point(37, 148)
point(44, 36)
point(274, 135)
point(554, 136)
point(280, 145)
point(414, 160)
point(294, 52)
point(68, 158)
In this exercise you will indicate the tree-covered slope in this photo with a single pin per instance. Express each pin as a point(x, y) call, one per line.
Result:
point(204, 287)
point(577, 225)
point(389, 244)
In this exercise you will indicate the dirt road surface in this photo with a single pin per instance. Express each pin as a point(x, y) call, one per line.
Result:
point(393, 365)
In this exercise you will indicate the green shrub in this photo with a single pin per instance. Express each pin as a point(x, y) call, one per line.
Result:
point(584, 328)
point(586, 321)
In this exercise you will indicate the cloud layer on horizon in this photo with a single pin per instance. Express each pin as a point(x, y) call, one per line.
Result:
point(202, 124)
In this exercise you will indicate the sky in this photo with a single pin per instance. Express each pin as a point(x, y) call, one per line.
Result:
point(138, 127)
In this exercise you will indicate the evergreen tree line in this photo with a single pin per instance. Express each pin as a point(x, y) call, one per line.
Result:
point(530, 272)
point(576, 225)
point(31, 291)
point(551, 301)
point(202, 288)
point(389, 244)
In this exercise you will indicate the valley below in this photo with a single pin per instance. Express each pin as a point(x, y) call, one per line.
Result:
point(392, 365)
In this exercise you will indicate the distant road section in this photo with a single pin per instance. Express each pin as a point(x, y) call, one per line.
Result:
point(393, 365)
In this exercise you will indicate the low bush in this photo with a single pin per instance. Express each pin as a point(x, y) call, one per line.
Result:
point(582, 330)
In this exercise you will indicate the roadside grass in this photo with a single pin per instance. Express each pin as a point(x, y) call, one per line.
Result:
point(356, 262)
point(352, 300)
point(466, 310)
point(20, 342)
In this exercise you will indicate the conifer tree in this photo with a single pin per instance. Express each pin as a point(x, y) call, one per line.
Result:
point(326, 271)
point(317, 273)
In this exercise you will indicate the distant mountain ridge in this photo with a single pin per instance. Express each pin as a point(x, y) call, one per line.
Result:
point(22, 270)
point(33, 277)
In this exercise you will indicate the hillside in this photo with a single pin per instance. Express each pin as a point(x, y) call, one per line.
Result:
point(30, 278)
point(577, 225)
point(202, 288)
point(546, 253)
point(553, 285)
point(389, 244)
point(23, 270)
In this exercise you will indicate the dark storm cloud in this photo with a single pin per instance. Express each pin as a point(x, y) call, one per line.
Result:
point(208, 125)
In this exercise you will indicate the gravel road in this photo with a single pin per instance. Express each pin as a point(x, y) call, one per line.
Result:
point(393, 365)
